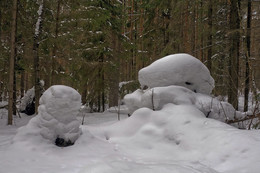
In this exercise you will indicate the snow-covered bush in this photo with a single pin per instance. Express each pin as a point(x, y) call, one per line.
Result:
point(56, 119)
point(177, 69)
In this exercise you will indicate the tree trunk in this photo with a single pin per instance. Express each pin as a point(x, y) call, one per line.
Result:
point(209, 35)
point(103, 90)
point(12, 62)
point(54, 51)
point(22, 83)
point(14, 88)
point(114, 76)
point(248, 54)
point(37, 33)
point(234, 53)
point(84, 96)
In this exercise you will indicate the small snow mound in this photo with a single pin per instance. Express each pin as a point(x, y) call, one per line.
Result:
point(178, 69)
point(56, 119)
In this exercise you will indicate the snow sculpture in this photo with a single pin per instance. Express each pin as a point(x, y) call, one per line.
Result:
point(59, 106)
point(177, 69)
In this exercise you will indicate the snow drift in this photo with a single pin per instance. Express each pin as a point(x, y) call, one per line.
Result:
point(182, 135)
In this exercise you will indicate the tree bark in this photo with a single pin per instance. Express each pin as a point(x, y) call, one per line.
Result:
point(14, 88)
point(22, 83)
point(54, 51)
point(12, 62)
point(248, 54)
point(210, 9)
point(114, 76)
point(234, 53)
point(37, 34)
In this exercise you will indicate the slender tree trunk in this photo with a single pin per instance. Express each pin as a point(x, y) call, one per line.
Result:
point(113, 76)
point(234, 53)
point(14, 89)
point(37, 34)
point(210, 9)
point(103, 90)
point(84, 95)
point(22, 83)
point(54, 51)
point(12, 62)
point(248, 54)
point(193, 34)
point(202, 32)
point(1, 77)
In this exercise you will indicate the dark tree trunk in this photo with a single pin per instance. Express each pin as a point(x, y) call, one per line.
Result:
point(37, 34)
point(54, 51)
point(234, 53)
point(114, 74)
point(248, 54)
point(22, 83)
point(210, 9)
point(12, 63)
point(84, 95)
point(103, 91)
point(14, 90)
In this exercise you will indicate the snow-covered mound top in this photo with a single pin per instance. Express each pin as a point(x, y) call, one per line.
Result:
point(178, 69)
point(56, 119)
point(62, 102)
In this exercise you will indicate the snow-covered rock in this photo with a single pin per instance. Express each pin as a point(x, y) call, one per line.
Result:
point(56, 119)
point(178, 69)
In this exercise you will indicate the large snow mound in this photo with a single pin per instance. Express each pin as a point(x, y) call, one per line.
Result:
point(56, 119)
point(182, 133)
point(178, 69)
point(176, 138)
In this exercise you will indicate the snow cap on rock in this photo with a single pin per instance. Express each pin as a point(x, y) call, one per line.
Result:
point(177, 69)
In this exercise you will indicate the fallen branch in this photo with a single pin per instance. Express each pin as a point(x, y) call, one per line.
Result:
point(248, 117)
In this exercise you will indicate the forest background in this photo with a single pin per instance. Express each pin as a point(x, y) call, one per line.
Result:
point(98, 46)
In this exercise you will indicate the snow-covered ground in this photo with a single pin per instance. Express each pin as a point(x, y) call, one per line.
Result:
point(176, 139)
point(175, 127)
